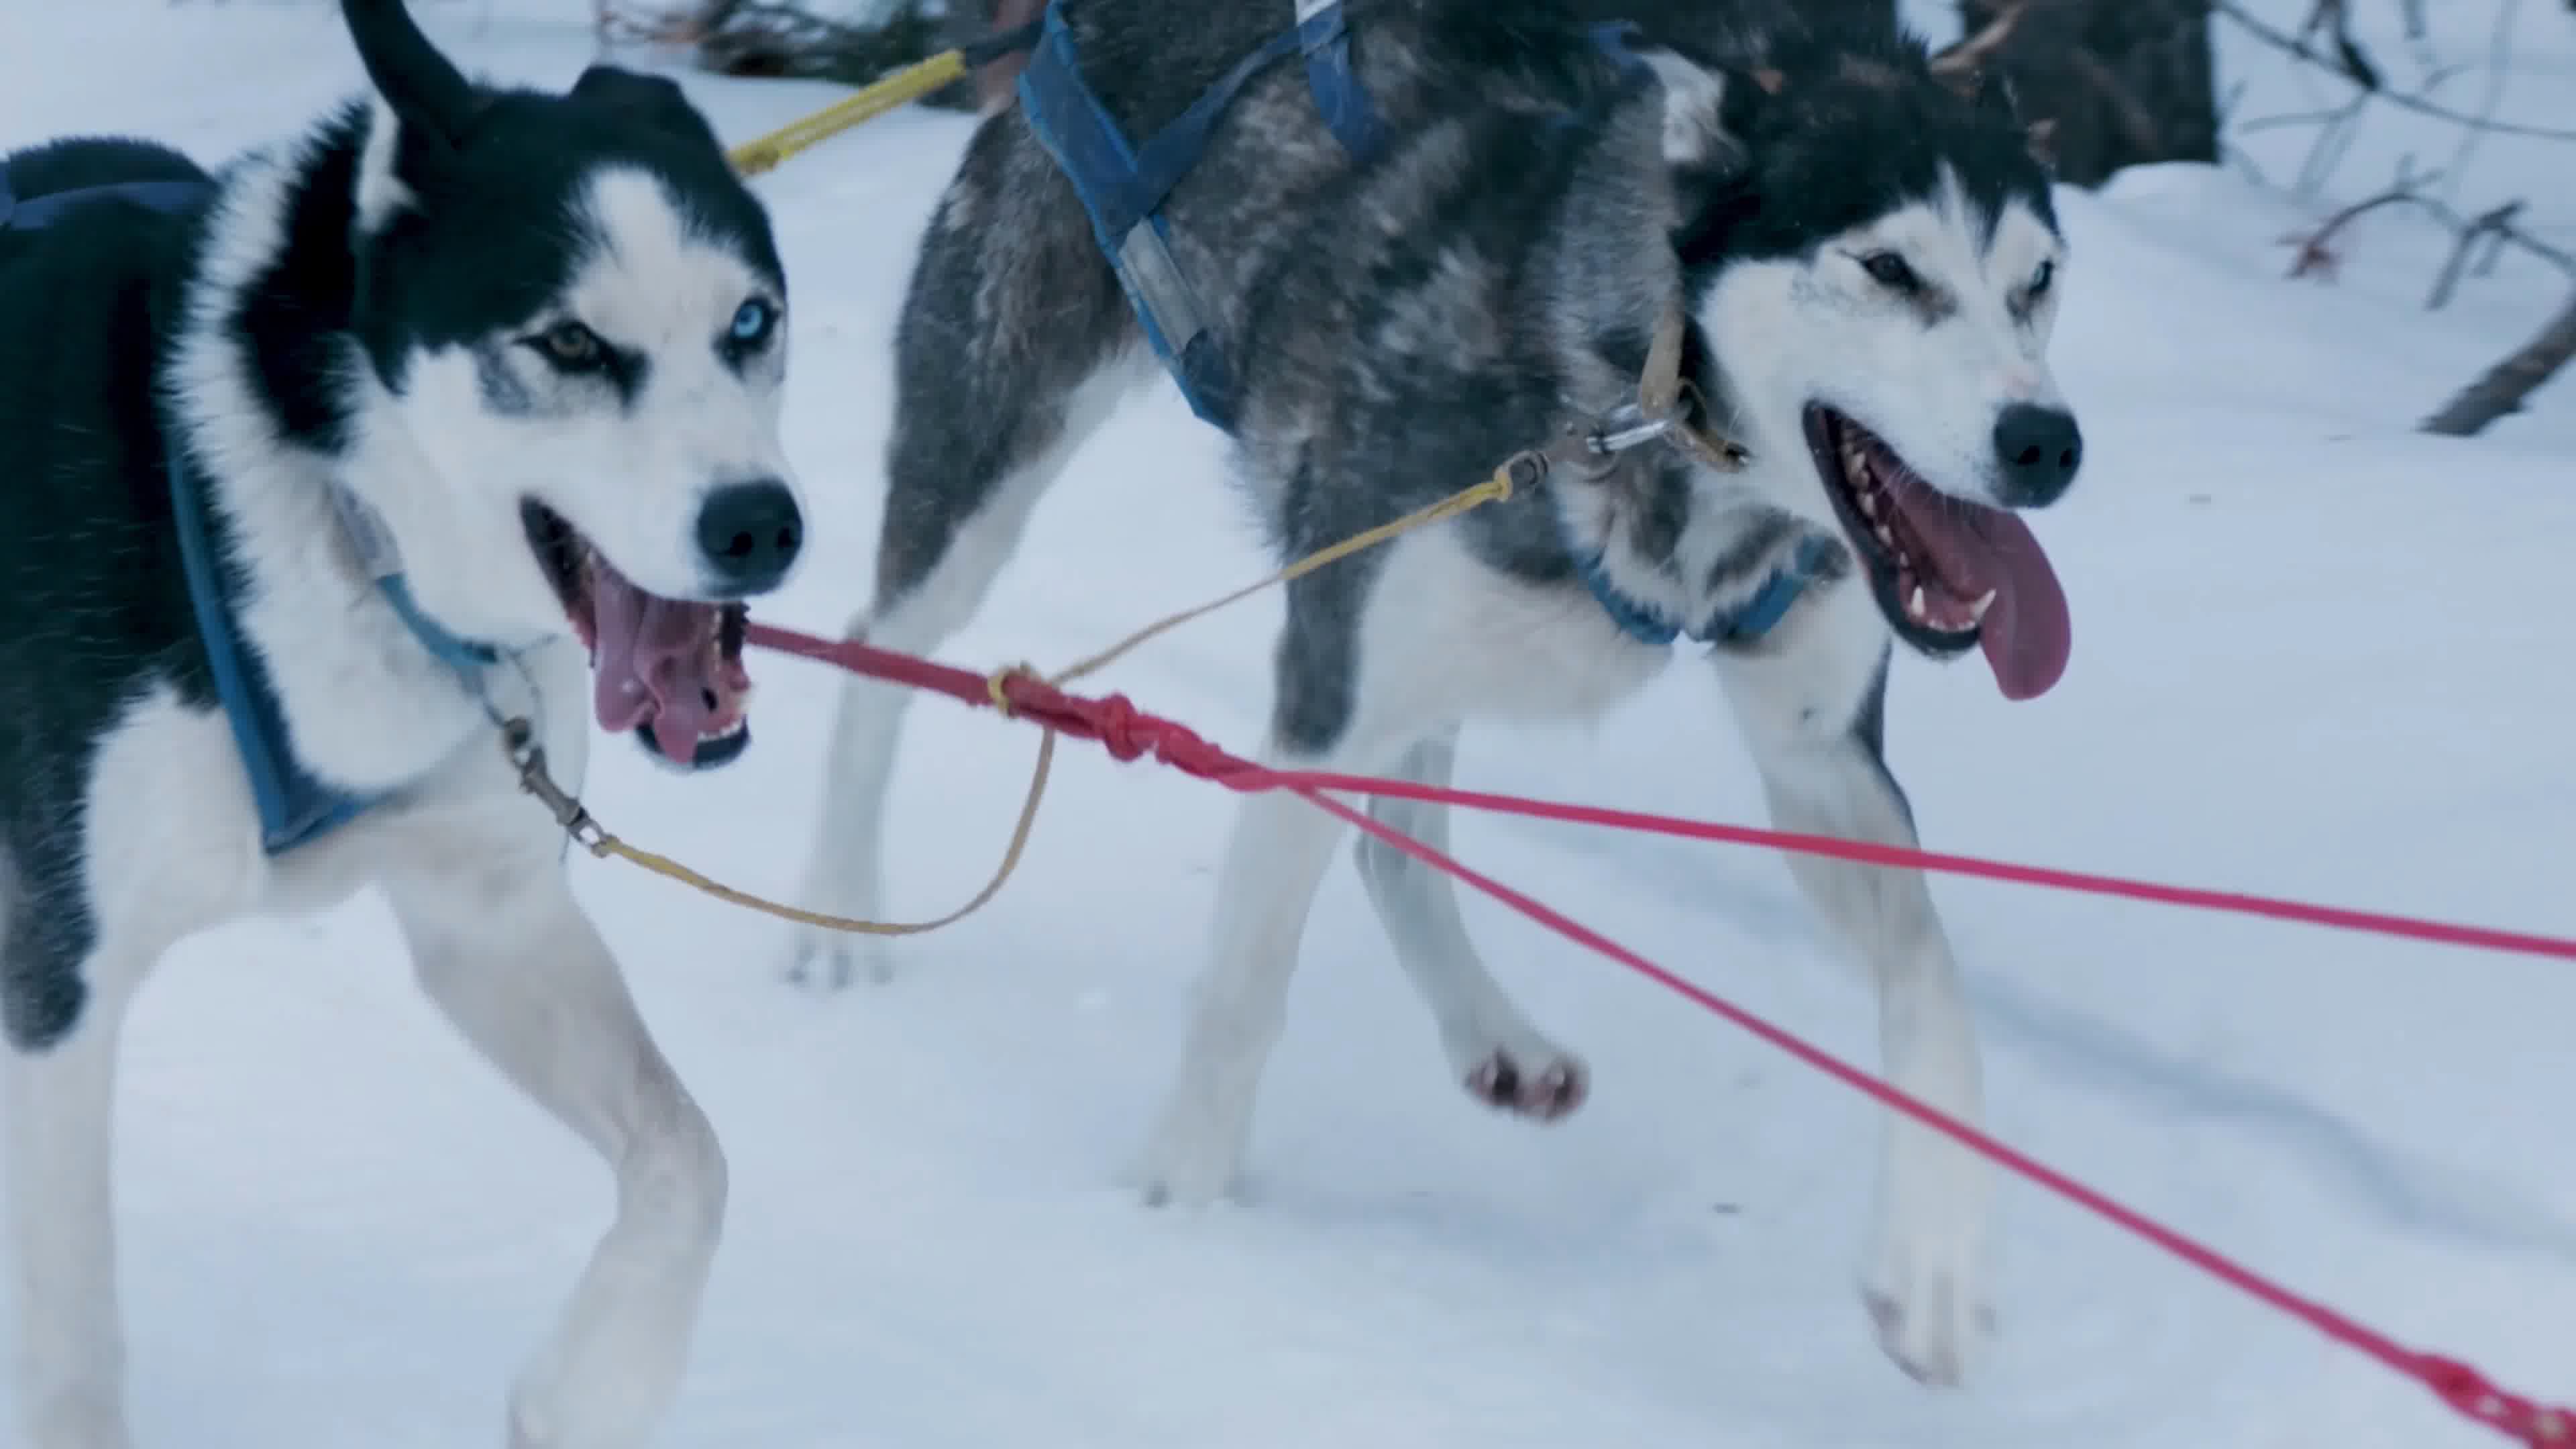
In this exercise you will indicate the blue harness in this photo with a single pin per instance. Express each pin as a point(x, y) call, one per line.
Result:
point(294, 807)
point(1123, 186)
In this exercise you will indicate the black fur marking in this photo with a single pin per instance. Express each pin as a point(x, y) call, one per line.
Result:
point(1869, 731)
point(93, 606)
point(1859, 129)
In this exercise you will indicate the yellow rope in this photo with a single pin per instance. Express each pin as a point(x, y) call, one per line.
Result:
point(1493, 490)
point(866, 104)
point(597, 839)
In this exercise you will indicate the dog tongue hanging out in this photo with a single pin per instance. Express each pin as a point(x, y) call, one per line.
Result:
point(669, 670)
point(1948, 571)
point(672, 668)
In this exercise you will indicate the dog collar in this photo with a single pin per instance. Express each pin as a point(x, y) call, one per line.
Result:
point(1744, 624)
point(376, 554)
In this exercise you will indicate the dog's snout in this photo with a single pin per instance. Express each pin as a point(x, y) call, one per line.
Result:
point(2040, 449)
point(749, 534)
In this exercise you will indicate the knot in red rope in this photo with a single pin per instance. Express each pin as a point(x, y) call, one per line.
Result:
point(2473, 1394)
point(1126, 732)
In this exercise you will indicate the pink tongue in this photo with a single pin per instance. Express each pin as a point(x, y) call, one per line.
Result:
point(2026, 633)
point(651, 661)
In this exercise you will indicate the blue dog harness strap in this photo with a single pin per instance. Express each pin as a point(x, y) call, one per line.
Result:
point(1344, 103)
point(43, 211)
point(1758, 616)
point(1123, 186)
point(294, 807)
point(375, 549)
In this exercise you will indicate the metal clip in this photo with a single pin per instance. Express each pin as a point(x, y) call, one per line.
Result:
point(1626, 427)
point(519, 742)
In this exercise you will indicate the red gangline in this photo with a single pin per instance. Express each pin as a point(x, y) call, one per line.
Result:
point(1130, 734)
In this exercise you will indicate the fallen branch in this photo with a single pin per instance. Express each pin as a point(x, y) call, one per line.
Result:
point(2506, 384)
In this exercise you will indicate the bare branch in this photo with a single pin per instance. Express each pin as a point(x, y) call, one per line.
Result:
point(2498, 228)
point(2368, 79)
point(2506, 384)
point(1971, 52)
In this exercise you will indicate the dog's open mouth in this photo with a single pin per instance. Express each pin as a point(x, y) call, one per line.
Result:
point(668, 669)
point(1948, 573)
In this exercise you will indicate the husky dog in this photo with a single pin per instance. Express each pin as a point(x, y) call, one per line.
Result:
point(1867, 260)
point(528, 346)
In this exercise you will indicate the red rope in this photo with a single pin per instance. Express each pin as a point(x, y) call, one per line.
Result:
point(1130, 734)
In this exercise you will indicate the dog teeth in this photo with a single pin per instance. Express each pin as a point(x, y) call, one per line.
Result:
point(1914, 605)
point(1869, 504)
point(1885, 536)
point(1977, 610)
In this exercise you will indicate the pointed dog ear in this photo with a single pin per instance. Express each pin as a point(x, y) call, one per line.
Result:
point(655, 100)
point(423, 87)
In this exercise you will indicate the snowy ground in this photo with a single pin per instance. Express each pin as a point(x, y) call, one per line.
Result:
point(2318, 654)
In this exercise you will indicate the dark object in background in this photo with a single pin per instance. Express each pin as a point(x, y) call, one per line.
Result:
point(2119, 82)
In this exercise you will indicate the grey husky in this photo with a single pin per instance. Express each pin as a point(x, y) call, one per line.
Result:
point(1858, 243)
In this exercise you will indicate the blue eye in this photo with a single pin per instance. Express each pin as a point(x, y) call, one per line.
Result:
point(752, 321)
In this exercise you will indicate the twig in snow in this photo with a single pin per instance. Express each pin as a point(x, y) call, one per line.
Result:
point(2506, 384)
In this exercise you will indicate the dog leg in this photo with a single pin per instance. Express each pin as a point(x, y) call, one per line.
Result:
point(527, 980)
point(1815, 718)
point(947, 533)
point(1274, 860)
point(1493, 1048)
point(61, 1125)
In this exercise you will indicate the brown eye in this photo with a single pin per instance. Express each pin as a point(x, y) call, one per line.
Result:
point(1890, 271)
point(571, 347)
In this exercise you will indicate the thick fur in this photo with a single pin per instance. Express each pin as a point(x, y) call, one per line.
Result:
point(1401, 326)
point(350, 309)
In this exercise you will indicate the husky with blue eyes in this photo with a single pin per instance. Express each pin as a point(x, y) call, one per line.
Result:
point(462, 409)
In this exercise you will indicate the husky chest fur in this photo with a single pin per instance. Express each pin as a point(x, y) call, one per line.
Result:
point(1862, 252)
point(466, 404)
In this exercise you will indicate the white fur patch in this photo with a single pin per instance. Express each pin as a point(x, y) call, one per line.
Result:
point(379, 192)
point(1692, 131)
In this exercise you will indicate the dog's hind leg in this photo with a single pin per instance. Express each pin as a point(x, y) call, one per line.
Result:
point(1015, 347)
point(1814, 715)
point(501, 947)
point(1503, 1060)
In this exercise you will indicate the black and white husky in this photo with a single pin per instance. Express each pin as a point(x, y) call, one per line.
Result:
point(1866, 254)
point(311, 471)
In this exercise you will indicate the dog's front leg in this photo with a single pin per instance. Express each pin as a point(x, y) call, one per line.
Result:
point(61, 1109)
point(527, 980)
point(1813, 714)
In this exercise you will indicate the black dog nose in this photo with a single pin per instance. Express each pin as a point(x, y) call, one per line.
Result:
point(2040, 449)
point(750, 533)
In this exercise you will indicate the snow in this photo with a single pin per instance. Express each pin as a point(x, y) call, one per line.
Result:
point(2317, 654)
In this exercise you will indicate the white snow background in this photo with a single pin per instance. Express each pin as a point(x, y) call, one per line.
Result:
point(2318, 654)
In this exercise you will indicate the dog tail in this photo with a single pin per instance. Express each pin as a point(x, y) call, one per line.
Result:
point(423, 86)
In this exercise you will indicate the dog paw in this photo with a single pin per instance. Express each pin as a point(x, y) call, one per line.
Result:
point(1530, 1080)
point(1926, 1292)
point(825, 961)
point(1190, 1164)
